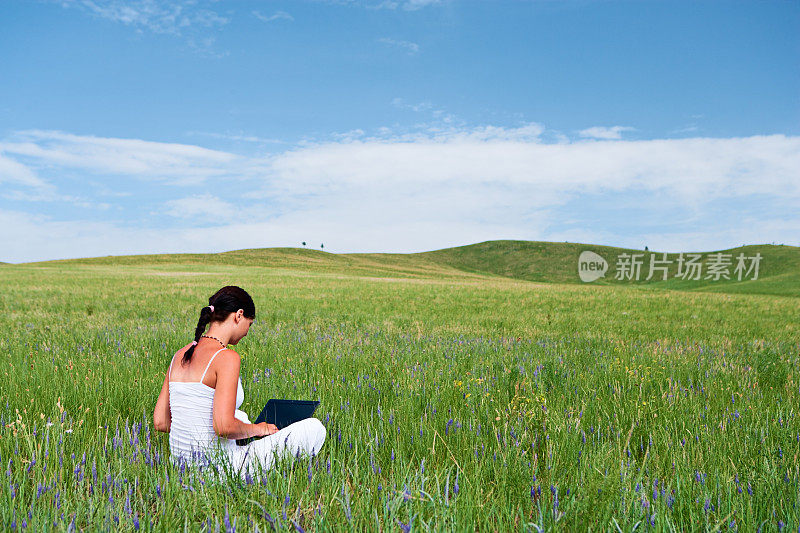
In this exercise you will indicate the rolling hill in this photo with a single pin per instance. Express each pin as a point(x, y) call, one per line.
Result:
point(534, 261)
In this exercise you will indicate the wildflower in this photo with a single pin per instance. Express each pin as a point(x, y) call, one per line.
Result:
point(227, 521)
point(554, 490)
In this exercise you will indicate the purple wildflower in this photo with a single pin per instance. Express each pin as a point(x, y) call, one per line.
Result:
point(554, 491)
point(227, 521)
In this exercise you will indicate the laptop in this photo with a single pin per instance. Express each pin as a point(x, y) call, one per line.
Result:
point(282, 413)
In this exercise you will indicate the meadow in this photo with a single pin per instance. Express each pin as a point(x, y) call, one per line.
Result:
point(453, 401)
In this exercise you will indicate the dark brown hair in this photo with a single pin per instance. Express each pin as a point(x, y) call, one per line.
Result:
point(227, 300)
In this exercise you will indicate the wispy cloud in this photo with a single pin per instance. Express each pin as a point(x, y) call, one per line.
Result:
point(157, 16)
point(418, 107)
point(605, 133)
point(408, 46)
point(412, 5)
point(415, 191)
point(278, 15)
point(408, 5)
point(238, 137)
point(14, 172)
point(186, 18)
point(176, 163)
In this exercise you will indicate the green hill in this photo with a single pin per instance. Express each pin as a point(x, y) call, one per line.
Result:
point(293, 259)
point(546, 262)
point(779, 267)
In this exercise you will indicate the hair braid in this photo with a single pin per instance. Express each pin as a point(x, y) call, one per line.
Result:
point(205, 317)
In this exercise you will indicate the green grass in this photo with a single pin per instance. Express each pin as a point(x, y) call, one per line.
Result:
point(428, 372)
point(546, 262)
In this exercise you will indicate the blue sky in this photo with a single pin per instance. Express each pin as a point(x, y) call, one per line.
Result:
point(408, 125)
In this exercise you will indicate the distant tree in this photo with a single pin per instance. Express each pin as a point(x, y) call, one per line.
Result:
point(304, 244)
point(645, 248)
point(322, 246)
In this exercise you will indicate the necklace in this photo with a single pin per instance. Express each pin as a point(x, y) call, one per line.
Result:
point(216, 339)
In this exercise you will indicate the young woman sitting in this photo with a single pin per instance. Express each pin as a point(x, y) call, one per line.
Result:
point(202, 392)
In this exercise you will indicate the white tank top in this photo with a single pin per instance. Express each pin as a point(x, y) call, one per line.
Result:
point(191, 432)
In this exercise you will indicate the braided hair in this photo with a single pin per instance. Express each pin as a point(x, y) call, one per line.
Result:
point(225, 301)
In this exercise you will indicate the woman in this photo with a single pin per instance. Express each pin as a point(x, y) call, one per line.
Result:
point(202, 392)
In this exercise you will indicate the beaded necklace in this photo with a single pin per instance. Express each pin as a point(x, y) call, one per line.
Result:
point(216, 339)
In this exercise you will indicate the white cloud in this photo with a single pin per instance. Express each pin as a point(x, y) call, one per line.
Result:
point(515, 157)
point(176, 163)
point(186, 19)
point(238, 137)
point(412, 5)
point(278, 15)
point(14, 172)
point(408, 46)
point(22, 184)
point(402, 104)
point(157, 16)
point(408, 5)
point(416, 191)
point(601, 132)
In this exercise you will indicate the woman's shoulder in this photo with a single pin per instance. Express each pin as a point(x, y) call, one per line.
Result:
point(230, 354)
point(227, 357)
point(227, 361)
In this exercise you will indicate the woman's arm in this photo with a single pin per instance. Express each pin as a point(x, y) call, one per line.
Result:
point(162, 417)
point(225, 424)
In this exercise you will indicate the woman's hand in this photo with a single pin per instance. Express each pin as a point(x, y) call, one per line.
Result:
point(266, 429)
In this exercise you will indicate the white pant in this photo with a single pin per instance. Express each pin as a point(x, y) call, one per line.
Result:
point(304, 437)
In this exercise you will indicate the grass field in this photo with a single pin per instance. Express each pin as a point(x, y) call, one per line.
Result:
point(457, 395)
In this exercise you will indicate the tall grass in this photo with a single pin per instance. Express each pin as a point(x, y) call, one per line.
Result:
point(450, 403)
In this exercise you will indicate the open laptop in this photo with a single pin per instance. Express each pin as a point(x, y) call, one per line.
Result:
point(282, 413)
